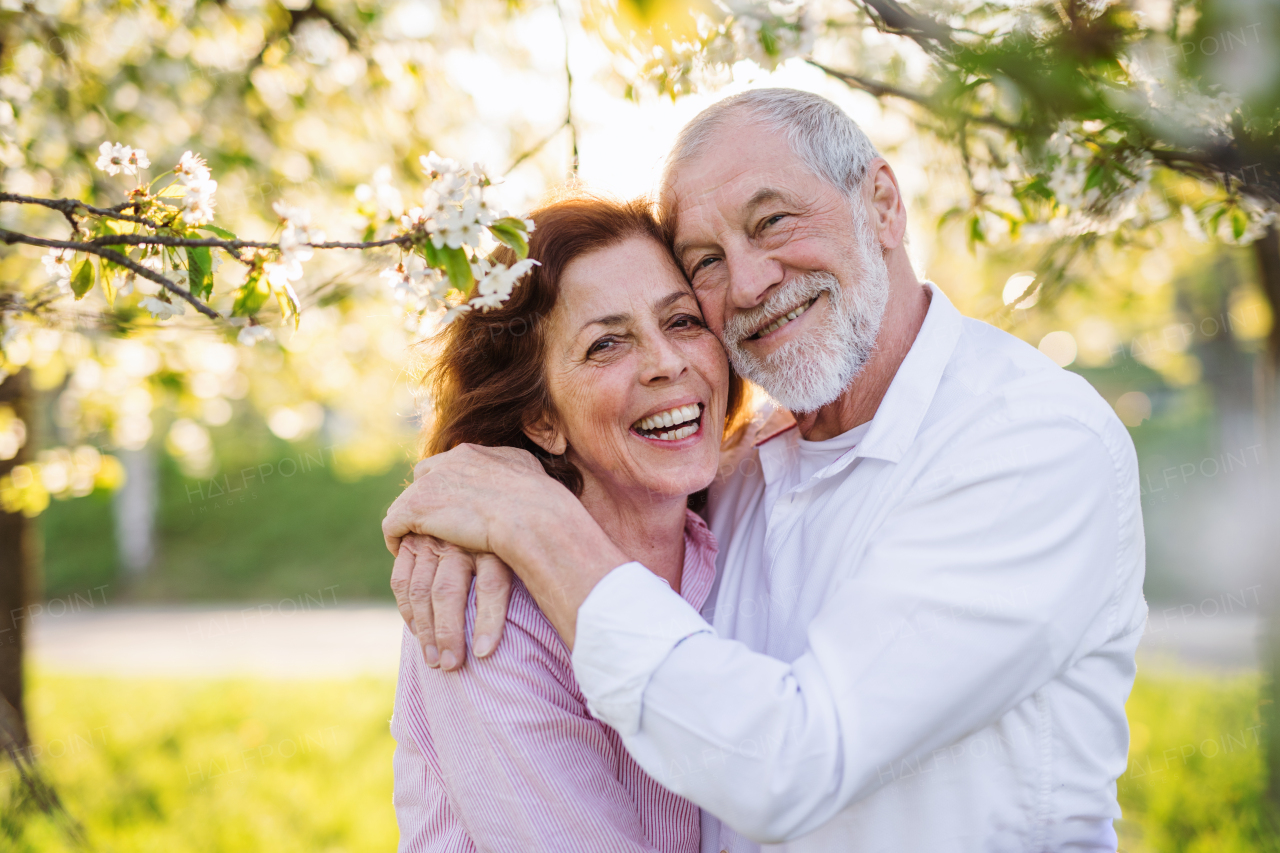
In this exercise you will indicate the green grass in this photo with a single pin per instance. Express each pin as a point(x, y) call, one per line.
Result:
point(225, 766)
point(275, 537)
point(1196, 773)
point(240, 766)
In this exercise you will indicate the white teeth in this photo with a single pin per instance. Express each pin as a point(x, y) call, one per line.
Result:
point(670, 418)
point(784, 319)
point(676, 435)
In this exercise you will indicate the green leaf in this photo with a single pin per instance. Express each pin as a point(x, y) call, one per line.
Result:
point(250, 297)
point(369, 232)
point(432, 255)
point(107, 279)
point(510, 232)
point(221, 232)
point(82, 281)
point(976, 233)
point(1094, 177)
point(458, 267)
point(1239, 222)
point(200, 268)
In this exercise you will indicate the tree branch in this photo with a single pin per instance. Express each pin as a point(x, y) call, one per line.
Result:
point(881, 90)
point(68, 207)
point(115, 257)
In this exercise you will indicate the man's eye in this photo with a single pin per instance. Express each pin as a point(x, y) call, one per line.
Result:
point(773, 220)
point(704, 263)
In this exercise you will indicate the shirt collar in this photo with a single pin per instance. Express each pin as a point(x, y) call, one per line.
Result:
point(894, 427)
point(898, 419)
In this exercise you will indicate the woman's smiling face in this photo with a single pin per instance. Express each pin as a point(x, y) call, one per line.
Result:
point(638, 382)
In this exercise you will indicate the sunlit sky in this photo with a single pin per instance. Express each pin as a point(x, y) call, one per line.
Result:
point(622, 143)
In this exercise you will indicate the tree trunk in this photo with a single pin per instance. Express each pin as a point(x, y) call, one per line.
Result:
point(17, 563)
point(135, 510)
point(1267, 255)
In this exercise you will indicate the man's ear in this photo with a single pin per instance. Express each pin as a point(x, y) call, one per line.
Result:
point(885, 204)
point(547, 435)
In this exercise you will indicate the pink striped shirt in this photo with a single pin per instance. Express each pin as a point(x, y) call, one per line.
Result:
point(504, 756)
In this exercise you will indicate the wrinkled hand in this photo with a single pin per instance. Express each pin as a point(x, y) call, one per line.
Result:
point(431, 580)
point(462, 495)
point(499, 500)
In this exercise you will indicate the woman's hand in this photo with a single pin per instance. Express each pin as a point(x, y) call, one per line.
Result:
point(432, 580)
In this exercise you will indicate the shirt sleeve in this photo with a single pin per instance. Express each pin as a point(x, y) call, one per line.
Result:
point(978, 587)
point(426, 821)
point(525, 767)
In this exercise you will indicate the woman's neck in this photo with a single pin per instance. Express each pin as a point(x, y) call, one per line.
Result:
point(647, 528)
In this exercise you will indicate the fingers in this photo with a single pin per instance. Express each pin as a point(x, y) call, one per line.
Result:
point(449, 592)
point(401, 573)
point(493, 592)
point(424, 571)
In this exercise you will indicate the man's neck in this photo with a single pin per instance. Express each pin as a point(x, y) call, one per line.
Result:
point(903, 317)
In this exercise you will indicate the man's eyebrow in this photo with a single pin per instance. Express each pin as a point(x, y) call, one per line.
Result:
point(759, 197)
point(763, 195)
point(671, 298)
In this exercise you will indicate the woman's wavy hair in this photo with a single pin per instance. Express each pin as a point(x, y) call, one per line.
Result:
point(485, 371)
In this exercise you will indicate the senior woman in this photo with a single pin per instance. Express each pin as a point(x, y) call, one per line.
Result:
point(600, 365)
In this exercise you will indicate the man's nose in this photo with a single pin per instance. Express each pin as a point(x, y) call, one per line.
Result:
point(752, 276)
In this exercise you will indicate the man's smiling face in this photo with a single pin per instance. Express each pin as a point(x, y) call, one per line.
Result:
point(786, 267)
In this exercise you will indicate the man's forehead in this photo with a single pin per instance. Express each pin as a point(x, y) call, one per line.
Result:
point(724, 190)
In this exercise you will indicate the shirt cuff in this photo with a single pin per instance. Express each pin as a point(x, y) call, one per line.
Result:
point(626, 628)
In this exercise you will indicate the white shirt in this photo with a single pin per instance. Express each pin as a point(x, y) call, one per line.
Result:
point(925, 645)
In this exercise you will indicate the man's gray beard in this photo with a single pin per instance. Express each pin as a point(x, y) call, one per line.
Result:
point(807, 373)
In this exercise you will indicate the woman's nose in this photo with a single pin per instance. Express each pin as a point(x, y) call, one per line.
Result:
point(664, 362)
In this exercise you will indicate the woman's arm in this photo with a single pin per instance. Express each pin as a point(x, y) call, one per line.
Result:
point(521, 764)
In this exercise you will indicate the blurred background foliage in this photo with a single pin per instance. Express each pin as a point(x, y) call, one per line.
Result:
point(1099, 178)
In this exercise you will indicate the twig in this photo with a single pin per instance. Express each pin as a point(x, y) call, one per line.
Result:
point(539, 146)
point(69, 206)
point(881, 90)
point(230, 245)
point(568, 78)
point(11, 237)
point(14, 742)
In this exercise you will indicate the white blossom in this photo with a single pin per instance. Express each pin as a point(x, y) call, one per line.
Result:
point(192, 169)
point(57, 265)
point(197, 203)
point(495, 287)
point(385, 198)
point(161, 309)
point(250, 335)
point(297, 234)
point(114, 158)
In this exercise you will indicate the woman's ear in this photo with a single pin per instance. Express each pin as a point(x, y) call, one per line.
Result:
point(547, 435)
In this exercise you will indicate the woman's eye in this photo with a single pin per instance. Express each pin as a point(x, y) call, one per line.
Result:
point(600, 346)
point(685, 321)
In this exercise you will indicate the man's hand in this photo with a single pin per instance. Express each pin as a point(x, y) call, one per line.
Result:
point(431, 580)
point(499, 500)
point(457, 495)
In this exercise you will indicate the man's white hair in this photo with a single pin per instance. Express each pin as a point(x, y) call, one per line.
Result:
point(821, 134)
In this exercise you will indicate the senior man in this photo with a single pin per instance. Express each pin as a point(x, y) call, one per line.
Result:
point(929, 594)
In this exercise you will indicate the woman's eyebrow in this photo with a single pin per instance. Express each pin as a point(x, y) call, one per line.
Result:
point(606, 320)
